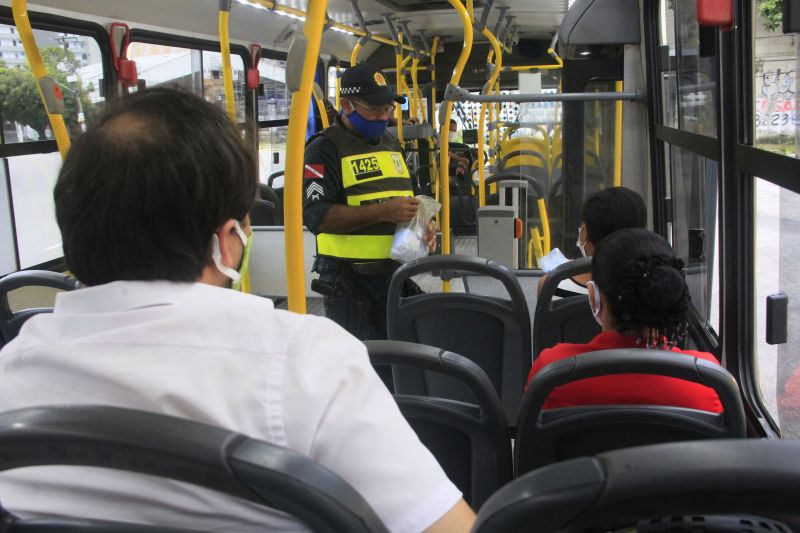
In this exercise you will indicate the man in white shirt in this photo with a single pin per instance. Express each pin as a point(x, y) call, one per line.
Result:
point(152, 204)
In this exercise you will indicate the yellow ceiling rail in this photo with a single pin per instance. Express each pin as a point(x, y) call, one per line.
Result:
point(293, 179)
point(225, 50)
point(275, 6)
point(50, 92)
point(444, 129)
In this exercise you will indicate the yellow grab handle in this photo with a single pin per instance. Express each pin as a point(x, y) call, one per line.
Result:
point(49, 91)
point(227, 68)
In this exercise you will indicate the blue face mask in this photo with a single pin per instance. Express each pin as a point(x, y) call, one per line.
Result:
point(371, 129)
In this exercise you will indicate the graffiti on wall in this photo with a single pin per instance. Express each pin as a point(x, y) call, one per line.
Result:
point(776, 103)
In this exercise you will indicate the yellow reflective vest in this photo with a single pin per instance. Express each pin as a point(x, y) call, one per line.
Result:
point(371, 173)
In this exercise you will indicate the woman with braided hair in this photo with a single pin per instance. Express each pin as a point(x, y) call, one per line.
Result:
point(638, 295)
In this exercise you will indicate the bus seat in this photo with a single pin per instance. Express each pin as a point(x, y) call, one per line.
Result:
point(264, 213)
point(11, 321)
point(493, 332)
point(567, 319)
point(615, 490)
point(182, 450)
point(545, 437)
point(470, 440)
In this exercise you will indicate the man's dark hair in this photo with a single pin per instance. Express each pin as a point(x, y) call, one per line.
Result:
point(141, 193)
point(612, 209)
point(644, 284)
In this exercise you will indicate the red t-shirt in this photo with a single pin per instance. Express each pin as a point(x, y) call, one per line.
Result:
point(643, 389)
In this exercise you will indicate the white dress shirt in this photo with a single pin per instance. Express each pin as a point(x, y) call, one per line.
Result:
point(223, 358)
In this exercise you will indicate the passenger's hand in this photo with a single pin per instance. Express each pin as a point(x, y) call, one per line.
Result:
point(430, 236)
point(400, 209)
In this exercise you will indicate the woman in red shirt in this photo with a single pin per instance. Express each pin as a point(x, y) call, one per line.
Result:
point(638, 295)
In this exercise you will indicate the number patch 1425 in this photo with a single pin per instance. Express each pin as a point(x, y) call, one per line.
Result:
point(366, 167)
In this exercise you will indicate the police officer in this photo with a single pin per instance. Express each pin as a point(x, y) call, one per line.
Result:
point(357, 188)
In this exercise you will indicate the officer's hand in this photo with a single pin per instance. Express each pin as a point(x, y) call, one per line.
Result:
point(430, 236)
point(400, 209)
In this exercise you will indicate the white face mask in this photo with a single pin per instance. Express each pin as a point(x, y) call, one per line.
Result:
point(216, 254)
point(597, 305)
point(452, 136)
point(581, 245)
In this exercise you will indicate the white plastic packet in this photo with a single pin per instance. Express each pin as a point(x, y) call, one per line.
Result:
point(409, 239)
point(550, 261)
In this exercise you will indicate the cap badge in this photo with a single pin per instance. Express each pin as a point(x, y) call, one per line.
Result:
point(379, 79)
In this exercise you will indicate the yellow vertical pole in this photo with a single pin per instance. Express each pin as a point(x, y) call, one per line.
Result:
point(497, 52)
point(618, 139)
point(49, 91)
point(225, 50)
point(293, 210)
point(444, 160)
point(398, 59)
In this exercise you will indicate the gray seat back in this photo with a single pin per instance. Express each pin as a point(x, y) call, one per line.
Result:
point(470, 440)
point(492, 332)
point(567, 319)
point(11, 321)
point(545, 437)
point(714, 477)
point(183, 450)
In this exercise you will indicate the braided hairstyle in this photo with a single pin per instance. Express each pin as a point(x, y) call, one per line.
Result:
point(644, 285)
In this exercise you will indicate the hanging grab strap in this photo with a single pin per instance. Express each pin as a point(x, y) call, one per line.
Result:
point(127, 75)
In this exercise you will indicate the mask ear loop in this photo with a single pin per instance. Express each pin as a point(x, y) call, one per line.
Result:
point(216, 254)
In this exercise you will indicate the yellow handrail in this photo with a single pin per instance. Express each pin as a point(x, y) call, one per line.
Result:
point(398, 111)
point(293, 178)
point(618, 139)
point(354, 55)
point(227, 69)
point(545, 226)
point(444, 128)
point(303, 15)
point(323, 113)
point(498, 54)
point(48, 90)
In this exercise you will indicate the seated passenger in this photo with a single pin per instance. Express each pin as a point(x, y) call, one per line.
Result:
point(152, 204)
point(639, 296)
point(602, 213)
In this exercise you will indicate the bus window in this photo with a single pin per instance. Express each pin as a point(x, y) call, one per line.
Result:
point(332, 84)
point(271, 152)
point(273, 118)
point(694, 222)
point(8, 247)
point(776, 67)
point(669, 73)
point(696, 71)
point(75, 63)
point(198, 71)
point(777, 220)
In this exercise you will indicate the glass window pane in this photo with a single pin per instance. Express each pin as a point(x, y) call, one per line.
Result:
point(669, 74)
point(778, 270)
point(271, 152)
point(775, 60)
point(599, 127)
point(32, 180)
point(694, 233)
point(73, 61)
point(274, 103)
point(194, 70)
point(697, 73)
point(332, 83)
point(8, 252)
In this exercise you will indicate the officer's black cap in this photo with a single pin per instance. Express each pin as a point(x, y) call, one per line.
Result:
point(367, 83)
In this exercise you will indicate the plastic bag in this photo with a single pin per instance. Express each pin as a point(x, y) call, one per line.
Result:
point(409, 239)
point(550, 261)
